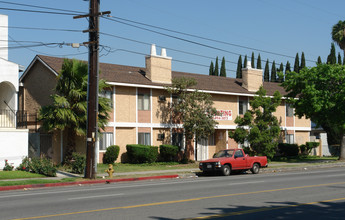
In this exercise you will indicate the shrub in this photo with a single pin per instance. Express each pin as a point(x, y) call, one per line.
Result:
point(7, 166)
point(168, 152)
point(334, 150)
point(110, 156)
point(25, 165)
point(288, 150)
point(137, 153)
point(308, 147)
point(78, 163)
point(43, 166)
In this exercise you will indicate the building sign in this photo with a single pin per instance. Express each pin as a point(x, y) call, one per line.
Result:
point(223, 115)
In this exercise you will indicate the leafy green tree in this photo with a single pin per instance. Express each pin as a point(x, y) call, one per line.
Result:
point(239, 68)
point(332, 59)
point(320, 92)
point(216, 68)
point(195, 109)
point(296, 66)
point(211, 71)
point(339, 59)
point(253, 60)
point(319, 61)
point(302, 61)
point(68, 112)
point(245, 62)
point(274, 72)
point(222, 68)
point(259, 126)
point(338, 34)
point(258, 64)
point(267, 72)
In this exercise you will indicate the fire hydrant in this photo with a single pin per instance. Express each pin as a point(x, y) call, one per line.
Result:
point(110, 170)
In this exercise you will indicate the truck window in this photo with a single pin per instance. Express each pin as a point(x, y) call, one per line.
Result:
point(239, 153)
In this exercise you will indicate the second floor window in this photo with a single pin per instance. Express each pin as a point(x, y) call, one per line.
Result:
point(243, 107)
point(289, 110)
point(143, 101)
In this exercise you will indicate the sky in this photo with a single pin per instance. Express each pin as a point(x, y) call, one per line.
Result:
point(194, 32)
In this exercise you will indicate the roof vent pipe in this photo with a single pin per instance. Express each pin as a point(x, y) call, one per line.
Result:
point(153, 50)
point(164, 52)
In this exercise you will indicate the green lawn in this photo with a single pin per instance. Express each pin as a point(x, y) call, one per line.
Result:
point(304, 159)
point(125, 167)
point(18, 175)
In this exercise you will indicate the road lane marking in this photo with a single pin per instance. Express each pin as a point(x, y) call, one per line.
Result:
point(250, 211)
point(89, 197)
point(180, 201)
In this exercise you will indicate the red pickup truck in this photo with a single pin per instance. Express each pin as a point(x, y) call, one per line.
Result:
point(231, 160)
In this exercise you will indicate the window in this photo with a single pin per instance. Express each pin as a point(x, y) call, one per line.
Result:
point(143, 102)
point(211, 139)
point(144, 138)
point(105, 140)
point(239, 153)
point(290, 138)
point(177, 140)
point(107, 94)
point(289, 110)
point(243, 106)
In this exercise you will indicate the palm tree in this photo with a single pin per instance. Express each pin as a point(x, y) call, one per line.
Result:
point(68, 112)
point(338, 34)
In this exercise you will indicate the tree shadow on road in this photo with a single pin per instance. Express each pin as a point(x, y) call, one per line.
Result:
point(331, 209)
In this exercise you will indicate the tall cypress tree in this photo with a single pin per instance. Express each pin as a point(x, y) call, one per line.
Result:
point(281, 71)
point(258, 64)
point(296, 66)
point(245, 62)
point(274, 72)
point(319, 60)
point(216, 68)
point(339, 58)
point(267, 72)
point(222, 68)
point(332, 59)
point(211, 71)
point(239, 68)
point(302, 61)
point(287, 69)
point(253, 60)
point(344, 60)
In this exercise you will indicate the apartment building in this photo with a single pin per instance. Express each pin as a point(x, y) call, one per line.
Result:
point(139, 103)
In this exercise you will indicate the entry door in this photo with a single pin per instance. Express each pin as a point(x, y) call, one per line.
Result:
point(202, 151)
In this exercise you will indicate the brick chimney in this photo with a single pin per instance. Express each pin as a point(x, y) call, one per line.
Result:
point(251, 78)
point(158, 68)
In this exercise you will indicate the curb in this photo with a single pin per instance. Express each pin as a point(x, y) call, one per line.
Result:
point(104, 181)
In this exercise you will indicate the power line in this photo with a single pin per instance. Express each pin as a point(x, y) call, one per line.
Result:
point(41, 29)
point(44, 12)
point(200, 37)
point(145, 43)
point(35, 6)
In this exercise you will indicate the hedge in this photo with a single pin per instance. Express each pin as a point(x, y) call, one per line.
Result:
point(111, 154)
point(307, 147)
point(168, 153)
point(288, 150)
point(137, 153)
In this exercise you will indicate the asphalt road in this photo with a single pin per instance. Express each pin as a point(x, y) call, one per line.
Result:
point(291, 195)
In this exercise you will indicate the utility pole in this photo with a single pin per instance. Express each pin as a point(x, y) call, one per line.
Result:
point(92, 89)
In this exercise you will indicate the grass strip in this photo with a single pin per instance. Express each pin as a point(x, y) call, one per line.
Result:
point(18, 175)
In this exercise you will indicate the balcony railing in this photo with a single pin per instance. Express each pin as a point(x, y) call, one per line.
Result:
point(13, 119)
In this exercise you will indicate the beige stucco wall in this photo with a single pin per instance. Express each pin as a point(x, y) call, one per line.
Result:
point(166, 140)
point(226, 102)
point(160, 109)
point(280, 114)
point(125, 104)
point(302, 122)
point(301, 137)
point(124, 136)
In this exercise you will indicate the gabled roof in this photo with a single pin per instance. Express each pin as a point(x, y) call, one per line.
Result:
point(130, 75)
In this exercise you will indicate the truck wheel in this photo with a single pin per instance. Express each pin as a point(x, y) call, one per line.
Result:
point(255, 169)
point(226, 170)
